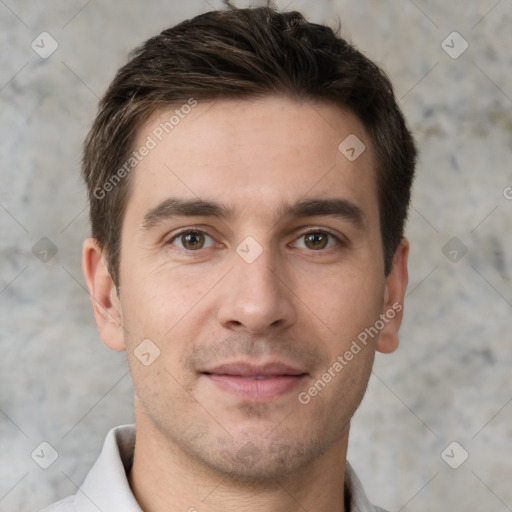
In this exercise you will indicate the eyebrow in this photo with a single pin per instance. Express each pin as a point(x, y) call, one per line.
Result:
point(176, 207)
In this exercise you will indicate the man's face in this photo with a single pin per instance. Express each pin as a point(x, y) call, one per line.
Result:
point(251, 308)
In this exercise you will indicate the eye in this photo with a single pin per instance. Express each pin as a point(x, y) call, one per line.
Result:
point(318, 240)
point(191, 240)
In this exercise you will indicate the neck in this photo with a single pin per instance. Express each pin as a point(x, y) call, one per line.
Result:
point(165, 478)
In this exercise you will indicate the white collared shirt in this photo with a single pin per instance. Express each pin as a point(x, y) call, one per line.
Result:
point(106, 487)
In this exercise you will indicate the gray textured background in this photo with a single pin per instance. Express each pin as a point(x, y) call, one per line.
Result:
point(451, 378)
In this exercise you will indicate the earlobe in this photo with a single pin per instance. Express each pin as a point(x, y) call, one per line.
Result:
point(394, 294)
point(105, 302)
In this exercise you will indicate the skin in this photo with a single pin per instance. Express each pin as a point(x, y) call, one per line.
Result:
point(197, 445)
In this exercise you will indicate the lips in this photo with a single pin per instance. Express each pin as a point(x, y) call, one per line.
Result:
point(249, 370)
point(255, 383)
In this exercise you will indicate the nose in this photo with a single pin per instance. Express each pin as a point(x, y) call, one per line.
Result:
point(257, 296)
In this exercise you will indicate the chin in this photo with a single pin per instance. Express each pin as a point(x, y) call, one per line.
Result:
point(265, 462)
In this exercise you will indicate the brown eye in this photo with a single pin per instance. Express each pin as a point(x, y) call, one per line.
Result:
point(191, 240)
point(318, 240)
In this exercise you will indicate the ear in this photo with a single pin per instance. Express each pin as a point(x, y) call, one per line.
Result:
point(105, 302)
point(392, 312)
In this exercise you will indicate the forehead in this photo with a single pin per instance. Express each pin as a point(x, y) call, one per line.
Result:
point(252, 154)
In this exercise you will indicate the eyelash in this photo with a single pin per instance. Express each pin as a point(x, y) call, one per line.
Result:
point(339, 240)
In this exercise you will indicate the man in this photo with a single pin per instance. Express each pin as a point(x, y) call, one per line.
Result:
point(249, 175)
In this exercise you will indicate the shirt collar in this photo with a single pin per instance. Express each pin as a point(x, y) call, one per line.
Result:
point(106, 486)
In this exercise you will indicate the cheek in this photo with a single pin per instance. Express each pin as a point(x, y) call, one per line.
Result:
point(346, 302)
point(168, 308)
point(155, 299)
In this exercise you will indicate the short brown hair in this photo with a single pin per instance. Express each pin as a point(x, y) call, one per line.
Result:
point(239, 54)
